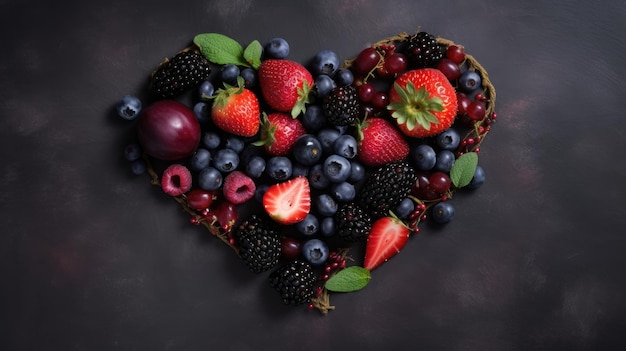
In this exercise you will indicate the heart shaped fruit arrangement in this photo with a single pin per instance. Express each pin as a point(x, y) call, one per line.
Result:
point(316, 175)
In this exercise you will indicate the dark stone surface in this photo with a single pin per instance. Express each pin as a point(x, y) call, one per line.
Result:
point(93, 258)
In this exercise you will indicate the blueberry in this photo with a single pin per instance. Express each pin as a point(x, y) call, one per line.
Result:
point(300, 170)
point(405, 208)
point(327, 137)
point(206, 91)
point(279, 168)
point(200, 159)
point(202, 110)
point(478, 179)
point(128, 107)
point(343, 192)
point(424, 157)
point(229, 73)
point(313, 119)
point(210, 179)
point(346, 146)
point(249, 77)
point(211, 140)
point(277, 48)
point(309, 225)
point(317, 179)
point(326, 205)
point(323, 85)
point(357, 172)
point(307, 150)
point(336, 168)
point(445, 160)
point(469, 82)
point(132, 152)
point(449, 139)
point(344, 76)
point(226, 160)
point(325, 62)
point(327, 226)
point(443, 212)
point(138, 166)
point(234, 143)
point(255, 167)
point(260, 191)
point(315, 251)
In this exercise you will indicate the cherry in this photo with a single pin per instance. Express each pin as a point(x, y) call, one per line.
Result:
point(439, 182)
point(226, 214)
point(290, 248)
point(449, 68)
point(455, 53)
point(395, 63)
point(476, 110)
point(366, 60)
point(366, 92)
point(463, 101)
point(380, 99)
point(200, 199)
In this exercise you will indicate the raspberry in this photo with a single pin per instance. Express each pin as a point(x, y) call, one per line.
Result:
point(176, 180)
point(238, 187)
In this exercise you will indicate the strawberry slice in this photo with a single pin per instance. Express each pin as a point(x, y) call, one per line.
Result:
point(288, 202)
point(386, 238)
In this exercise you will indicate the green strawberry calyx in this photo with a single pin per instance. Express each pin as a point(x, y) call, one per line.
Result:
point(223, 95)
point(303, 99)
point(267, 132)
point(415, 107)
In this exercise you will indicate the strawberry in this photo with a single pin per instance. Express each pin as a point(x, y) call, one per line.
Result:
point(236, 110)
point(285, 85)
point(380, 142)
point(423, 102)
point(386, 238)
point(288, 202)
point(279, 132)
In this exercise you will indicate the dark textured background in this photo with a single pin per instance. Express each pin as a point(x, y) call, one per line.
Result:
point(93, 258)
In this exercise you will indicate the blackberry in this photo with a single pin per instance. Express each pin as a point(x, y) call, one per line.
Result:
point(386, 187)
point(259, 244)
point(184, 71)
point(353, 223)
point(294, 282)
point(422, 50)
point(341, 106)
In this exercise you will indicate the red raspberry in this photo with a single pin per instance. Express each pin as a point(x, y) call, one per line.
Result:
point(176, 180)
point(238, 187)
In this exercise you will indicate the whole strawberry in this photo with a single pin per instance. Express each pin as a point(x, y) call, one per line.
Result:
point(279, 132)
point(423, 102)
point(380, 142)
point(236, 110)
point(285, 85)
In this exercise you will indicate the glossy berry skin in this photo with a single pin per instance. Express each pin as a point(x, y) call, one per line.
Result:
point(450, 69)
point(307, 150)
point(327, 138)
point(442, 212)
point(277, 48)
point(328, 227)
point(200, 159)
point(211, 140)
point(326, 205)
point(325, 62)
point(405, 208)
point(345, 146)
point(455, 53)
point(336, 168)
point(234, 143)
point(256, 166)
point(200, 199)
point(229, 73)
point(445, 160)
point(308, 226)
point(249, 77)
point(476, 110)
point(315, 251)
point(210, 179)
point(439, 182)
point(478, 179)
point(449, 139)
point(168, 130)
point(323, 85)
point(279, 167)
point(226, 160)
point(344, 76)
point(469, 82)
point(424, 157)
point(129, 107)
point(366, 60)
point(206, 91)
point(290, 248)
point(357, 172)
point(202, 111)
point(317, 178)
point(343, 192)
point(285, 85)
point(313, 120)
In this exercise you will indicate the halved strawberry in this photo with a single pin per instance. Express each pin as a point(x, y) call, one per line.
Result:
point(380, 142)
point(279, 132)
point(288, 202)
point(386, 238)
point(236, 110)
point(423, 102)
point(285, 85)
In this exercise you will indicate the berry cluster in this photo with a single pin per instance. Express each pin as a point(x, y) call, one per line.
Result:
point(314, 158)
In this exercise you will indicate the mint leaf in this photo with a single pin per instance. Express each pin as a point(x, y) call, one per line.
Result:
point(220, 49)
point(463, 169)
point(252, 54)
point(348, 279)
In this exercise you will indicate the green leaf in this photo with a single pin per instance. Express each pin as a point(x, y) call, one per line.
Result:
point(348, 279)
point(220, 49)
point(252, 54)
point(463, 169)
